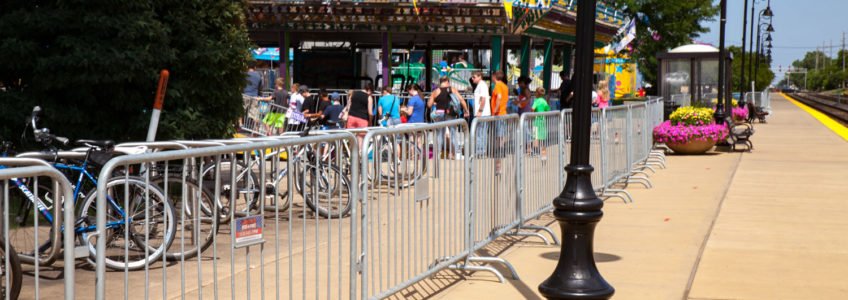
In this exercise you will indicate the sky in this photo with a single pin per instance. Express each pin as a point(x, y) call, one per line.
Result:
point(799, 26)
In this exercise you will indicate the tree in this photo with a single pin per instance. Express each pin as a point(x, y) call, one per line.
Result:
point(661, 25)
point(764, 73)
point(93, 66)
point(827, 76)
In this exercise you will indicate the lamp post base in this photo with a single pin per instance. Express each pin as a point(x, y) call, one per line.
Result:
point(578, 211)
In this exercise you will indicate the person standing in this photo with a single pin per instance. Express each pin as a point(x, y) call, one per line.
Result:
point(253, 81)
point(500, 96)
point(524, 95)
point(603, 95)
point(295, 108)
point(276, 116)
point(415, 107)
point(483, 109)
point(440, 102)
point(330, 114)
point(540, 128)
point(566, 90)
point(313, 107)
point(361, 106)
point(388, 108)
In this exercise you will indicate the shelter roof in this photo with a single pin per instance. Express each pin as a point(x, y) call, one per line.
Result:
point(443, 24)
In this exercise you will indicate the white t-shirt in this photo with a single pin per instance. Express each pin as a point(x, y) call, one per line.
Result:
point(594, 96)
point(481, 97)
point(295, 103)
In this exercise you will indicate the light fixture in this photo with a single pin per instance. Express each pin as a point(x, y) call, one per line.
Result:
point(767, 12)
point(770, 29)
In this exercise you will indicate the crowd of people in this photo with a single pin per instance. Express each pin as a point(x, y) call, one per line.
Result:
point(364, 108)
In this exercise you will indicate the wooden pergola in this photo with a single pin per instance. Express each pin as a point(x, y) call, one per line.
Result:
point(430, 24)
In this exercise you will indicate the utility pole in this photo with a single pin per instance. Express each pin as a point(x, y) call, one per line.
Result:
point(842, 56)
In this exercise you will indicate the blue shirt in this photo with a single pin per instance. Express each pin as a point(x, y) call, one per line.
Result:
point(253, 80)
point(391, 105)
point(417, 109)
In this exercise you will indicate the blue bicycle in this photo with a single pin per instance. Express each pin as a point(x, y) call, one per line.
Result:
point(140, 223)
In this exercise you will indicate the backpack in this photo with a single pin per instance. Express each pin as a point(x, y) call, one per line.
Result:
point(455, 106)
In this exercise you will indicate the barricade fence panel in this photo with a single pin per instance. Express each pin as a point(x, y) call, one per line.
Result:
point(540, 162)
point(414, 205)
point(494, 154)
point(639, 134)
point(265, 219)
point(34, 215)
point(615, 141)
point(596, 148)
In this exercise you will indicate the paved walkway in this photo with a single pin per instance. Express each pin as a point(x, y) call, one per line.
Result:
point(769, 224)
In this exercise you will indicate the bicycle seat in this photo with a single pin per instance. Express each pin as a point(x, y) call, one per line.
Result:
point(102, 144)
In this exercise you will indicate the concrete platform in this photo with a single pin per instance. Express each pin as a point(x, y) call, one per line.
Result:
point(768, 224)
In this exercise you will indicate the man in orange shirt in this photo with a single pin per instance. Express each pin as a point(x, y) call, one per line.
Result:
point(500, 96)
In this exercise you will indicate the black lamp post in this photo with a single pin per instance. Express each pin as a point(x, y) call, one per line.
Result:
point(744, 26)
point(719, 114)
point(761, 51)
point(578, 209)
point(765, 12)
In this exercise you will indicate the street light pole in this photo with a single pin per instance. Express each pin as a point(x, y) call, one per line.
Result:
point(719, 114)
point(744, 26)
point(578, 209)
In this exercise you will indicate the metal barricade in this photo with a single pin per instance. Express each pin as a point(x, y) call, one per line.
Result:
point(539, 165)
point(614, 139)
point(415, 206)
point(494, 171)
point(287, 195)
point(32, 182)
point(639, 145)
point(596, 149)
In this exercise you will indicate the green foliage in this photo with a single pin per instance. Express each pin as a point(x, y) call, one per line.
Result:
point(671, 23)
point(93, 66)
point(763, 73)
point(827, 76)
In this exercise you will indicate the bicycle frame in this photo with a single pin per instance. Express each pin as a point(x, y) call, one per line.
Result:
point(85, 174)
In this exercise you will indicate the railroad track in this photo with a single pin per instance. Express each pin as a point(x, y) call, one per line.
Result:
point(834, 106)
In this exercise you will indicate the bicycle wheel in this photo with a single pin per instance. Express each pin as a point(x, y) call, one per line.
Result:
point(22, 217)
point(277, 192)
point(14, 272)
point(194, 230)
point(152, 223)
point(408, 165)
point(326, 190)
point(246, 185)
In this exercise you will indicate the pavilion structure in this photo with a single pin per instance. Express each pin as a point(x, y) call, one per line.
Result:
point(494, 25)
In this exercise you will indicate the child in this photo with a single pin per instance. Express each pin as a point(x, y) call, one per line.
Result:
point(540, 128)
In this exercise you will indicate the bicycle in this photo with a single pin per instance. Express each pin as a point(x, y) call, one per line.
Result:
point(315, 178)
point(13, 272)
point(127, 225)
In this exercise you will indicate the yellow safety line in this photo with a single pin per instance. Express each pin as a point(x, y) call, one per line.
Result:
point(839, 129)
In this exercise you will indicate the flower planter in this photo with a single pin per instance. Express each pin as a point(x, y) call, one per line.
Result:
point(692, 147)
point(738, 118)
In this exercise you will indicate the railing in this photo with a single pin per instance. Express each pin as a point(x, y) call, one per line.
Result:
point(21, 179)
point(760, 99)
point(341, 219)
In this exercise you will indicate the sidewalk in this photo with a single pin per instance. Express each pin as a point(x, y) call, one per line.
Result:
point(761, 225)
